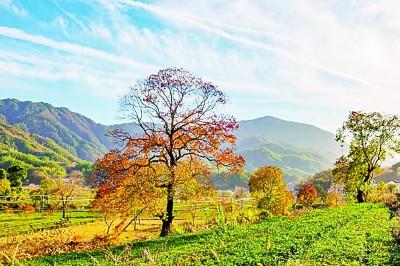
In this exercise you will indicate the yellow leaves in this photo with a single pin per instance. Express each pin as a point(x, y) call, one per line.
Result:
point(267, 179)
point(5, 186)
point(267, 186)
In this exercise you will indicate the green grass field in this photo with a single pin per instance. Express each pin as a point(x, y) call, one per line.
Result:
point(14, 224)
point(354, 235)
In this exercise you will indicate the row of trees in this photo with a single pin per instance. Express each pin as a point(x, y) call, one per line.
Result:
point(61, 193)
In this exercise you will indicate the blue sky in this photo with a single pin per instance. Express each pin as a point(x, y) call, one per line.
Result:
point(307, 61)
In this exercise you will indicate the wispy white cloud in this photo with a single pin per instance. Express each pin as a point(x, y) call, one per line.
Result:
point(14, 8)
point(219, 29)
point(298, 59)
point(70, 48)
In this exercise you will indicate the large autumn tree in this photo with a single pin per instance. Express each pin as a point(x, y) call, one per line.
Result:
point(373, 137)
point(177, 115)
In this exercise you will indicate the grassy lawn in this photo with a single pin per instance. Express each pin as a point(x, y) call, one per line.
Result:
point(354, 235)
point(18, 223)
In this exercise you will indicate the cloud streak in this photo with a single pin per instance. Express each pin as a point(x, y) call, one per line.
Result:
point(71, 48)
point(183, 19)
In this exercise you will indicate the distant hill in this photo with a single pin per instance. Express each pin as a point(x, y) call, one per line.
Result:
point(41, 156)
point(74, 132)
point(309, 138)
point(299, 149)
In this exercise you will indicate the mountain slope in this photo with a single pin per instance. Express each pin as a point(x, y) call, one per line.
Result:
point(39, 155)
point(299, 149)
point(288, 133)
point(74, 132)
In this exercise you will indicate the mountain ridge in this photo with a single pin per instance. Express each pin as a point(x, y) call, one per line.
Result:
point(299, 148)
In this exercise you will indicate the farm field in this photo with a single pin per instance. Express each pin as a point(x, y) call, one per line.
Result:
point(12, 224)
point(352, 235)
point(27, 235)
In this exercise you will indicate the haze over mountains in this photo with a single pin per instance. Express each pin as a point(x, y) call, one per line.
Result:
point(299, 149)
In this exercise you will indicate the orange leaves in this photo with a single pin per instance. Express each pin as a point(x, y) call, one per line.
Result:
point(181, 136)
point(228, 158)
point(126, 191)
point(307, 195)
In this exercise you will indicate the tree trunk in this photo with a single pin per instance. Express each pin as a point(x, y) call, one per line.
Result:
point(167, 221)
point(64, 209)
point(360, 196)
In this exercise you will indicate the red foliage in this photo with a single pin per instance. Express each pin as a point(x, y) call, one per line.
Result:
point(307, 195)
point(184, 130)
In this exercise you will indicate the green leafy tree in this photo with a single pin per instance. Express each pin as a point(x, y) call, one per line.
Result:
point(373, 137)
point(16, 175)
point(86, 168)
point(5, 186)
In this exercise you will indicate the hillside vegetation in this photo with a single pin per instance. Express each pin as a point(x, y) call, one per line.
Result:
point(74, 132)
point(354, 235)
point(40, 156)
point(300, 150)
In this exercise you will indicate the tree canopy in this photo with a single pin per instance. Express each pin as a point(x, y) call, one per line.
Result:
point(176, 112)
point(373, 137)
point(267, 186)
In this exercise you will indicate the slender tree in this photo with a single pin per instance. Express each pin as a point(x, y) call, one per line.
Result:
point(64, 190)
point(177, 115)
point(373, 137)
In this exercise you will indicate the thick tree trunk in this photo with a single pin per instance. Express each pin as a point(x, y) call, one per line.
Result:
point(360, 196)
point(167, 221)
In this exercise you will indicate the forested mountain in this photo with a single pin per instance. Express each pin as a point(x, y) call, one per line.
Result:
point(299, 149)
point(74, 132)
point(39, 155)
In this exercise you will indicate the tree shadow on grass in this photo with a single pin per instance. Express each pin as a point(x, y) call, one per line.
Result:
point(394, 253)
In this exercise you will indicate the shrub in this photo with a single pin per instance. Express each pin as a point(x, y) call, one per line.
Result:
point(26, 207)
point(382, 193)
point(307, 196)
point(333, 199)
point(396, 230)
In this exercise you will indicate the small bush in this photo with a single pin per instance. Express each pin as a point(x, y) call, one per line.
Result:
point(307, 195)
point(26, 207)
point(333, 199)
point(382, 193)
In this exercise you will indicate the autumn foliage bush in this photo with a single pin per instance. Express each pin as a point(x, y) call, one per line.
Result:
point(382, 193)
point(333, 199)
point(307, 195)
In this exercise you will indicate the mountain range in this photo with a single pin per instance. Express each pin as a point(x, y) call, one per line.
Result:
point(299, 149)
